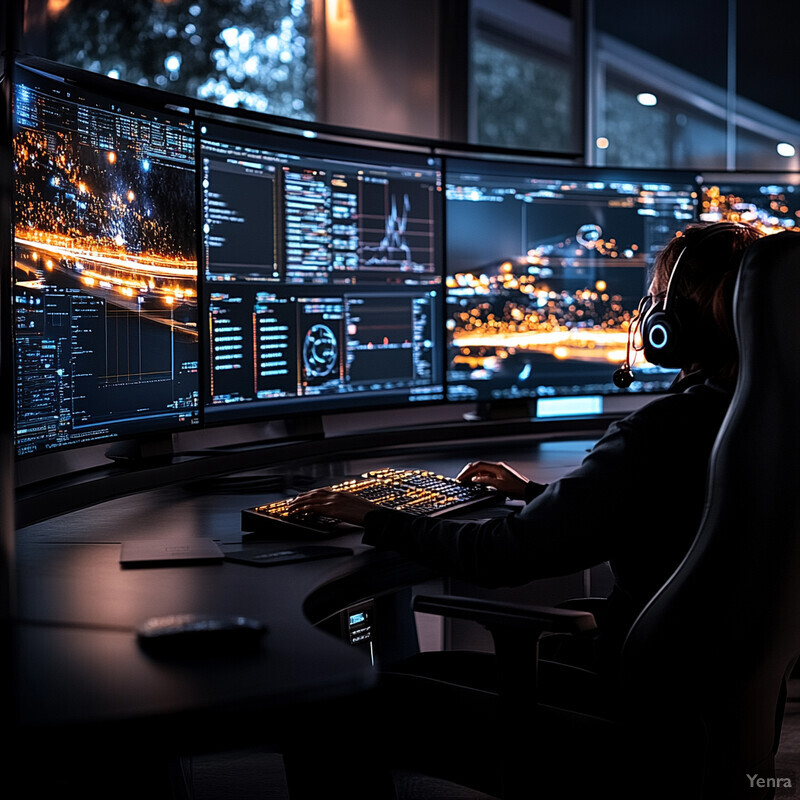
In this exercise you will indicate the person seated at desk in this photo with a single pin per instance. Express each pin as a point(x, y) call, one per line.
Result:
point(636, 500)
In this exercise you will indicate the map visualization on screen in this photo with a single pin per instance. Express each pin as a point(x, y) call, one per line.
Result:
point(105, 267)
point(545, 271)
point(323, 274)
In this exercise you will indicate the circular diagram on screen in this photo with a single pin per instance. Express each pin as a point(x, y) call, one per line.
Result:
point(589, 235)
point(320, 351)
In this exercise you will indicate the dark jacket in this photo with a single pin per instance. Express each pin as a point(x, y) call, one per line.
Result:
point(635, 502)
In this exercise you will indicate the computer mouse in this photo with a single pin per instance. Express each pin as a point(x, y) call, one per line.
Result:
point(177, 635)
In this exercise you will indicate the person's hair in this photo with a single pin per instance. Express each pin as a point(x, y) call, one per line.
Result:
point(702, 292)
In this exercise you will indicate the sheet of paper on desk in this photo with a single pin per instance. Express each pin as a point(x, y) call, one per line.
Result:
point(169, 552)
point(266, 557)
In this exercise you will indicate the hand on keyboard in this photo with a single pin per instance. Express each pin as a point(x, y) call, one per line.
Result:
point(326, 503)
point(497, 475)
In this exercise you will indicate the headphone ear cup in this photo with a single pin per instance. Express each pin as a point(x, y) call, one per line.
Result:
point(661, 338)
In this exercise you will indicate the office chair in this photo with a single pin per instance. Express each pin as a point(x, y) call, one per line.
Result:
point(698, 709)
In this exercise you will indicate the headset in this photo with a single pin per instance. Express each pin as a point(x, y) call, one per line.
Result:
point(623, 377)
point(663, 333)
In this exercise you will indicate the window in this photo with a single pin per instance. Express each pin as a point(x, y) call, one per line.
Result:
point(524, 77)
point(694, 85)
point(237, 53)
point(640, 123)
point(682, 84)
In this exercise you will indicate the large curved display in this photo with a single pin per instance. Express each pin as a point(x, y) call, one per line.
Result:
point(545, 270)
point(177, 265)
point(323, 274)
point(769, 201)
point(105, 266)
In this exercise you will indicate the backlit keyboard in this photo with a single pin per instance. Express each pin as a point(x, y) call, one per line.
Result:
point(415, 491)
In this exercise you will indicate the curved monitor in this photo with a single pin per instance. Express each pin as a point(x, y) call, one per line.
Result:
point(322, 274)
point(105, 266)
point(545, 269)
point(768, 200)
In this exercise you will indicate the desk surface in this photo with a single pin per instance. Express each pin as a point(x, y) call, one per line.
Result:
point(78, 662)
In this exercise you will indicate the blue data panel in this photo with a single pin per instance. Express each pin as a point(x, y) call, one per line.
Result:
point(323, 274)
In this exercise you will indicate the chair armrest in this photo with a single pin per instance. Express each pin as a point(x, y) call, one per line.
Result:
point(516, 631)
point(595, 605)
point(495, 614)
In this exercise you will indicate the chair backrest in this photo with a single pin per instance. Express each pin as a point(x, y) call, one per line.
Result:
point(715, 644)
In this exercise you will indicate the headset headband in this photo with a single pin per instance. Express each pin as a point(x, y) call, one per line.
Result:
point(704, 234)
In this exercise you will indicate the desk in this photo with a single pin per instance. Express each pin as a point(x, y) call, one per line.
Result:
point(79, 660)
point(82, 679)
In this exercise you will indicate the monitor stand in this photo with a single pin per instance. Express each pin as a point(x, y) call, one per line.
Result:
point(502, 409)
point(305, 426)
point(142, 451)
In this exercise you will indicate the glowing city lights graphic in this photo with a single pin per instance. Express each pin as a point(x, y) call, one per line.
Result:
point(105, 267)
point(768, 207)
point(547, 305)
point(588, 325)
point(88, 217)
